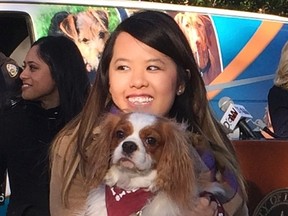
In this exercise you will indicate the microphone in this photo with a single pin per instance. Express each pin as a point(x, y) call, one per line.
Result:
point(235, 116)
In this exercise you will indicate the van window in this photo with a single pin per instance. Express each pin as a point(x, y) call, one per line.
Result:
point(15, 37)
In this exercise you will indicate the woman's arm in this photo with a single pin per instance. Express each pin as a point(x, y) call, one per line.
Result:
point(77, 194)
point(231, 201)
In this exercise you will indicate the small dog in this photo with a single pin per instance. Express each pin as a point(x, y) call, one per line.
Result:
point(148, 165)
point(88, 29)
point(199, 31)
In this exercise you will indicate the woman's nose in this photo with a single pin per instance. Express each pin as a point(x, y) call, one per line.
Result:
point(23, 74)
point(138, 80)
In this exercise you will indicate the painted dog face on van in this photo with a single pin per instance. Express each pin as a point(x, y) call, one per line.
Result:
point(89, 31)
point(201, 36)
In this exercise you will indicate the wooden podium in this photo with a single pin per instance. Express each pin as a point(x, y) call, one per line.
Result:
point(264, 164)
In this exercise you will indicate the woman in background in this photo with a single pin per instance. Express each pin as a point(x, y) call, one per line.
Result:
point(54, 90)
point(278, 97)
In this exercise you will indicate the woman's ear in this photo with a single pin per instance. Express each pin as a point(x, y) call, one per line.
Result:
point(181, 89)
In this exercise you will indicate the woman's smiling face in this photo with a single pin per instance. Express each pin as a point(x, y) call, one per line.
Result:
point(141, 78)
point(38, 84)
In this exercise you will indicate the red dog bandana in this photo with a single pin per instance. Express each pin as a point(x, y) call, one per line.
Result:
point(124, 203)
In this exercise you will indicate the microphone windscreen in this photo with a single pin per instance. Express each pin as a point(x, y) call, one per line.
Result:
point(224, 103)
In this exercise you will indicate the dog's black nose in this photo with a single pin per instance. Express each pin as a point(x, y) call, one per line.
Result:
point(129, 147)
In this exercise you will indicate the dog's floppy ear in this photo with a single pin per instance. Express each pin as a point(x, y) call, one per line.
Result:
point(99, 152)
point(102, 17)
point(54, 28)
point(208, 28)
point(68, 26)
point(176, 173)
point(179, 18)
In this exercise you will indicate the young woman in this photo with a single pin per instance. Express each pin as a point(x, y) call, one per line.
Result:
point(278, 97)
point(54, 90)
point(147, 65)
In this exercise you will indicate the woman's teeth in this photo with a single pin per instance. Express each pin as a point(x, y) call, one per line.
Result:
point(141, 100)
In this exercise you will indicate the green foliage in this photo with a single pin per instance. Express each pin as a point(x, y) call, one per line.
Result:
point(277, 7)
point(44, 21)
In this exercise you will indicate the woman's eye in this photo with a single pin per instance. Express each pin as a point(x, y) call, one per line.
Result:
point(122, 67)
point(151, 141)
point(153, 68)
point(32, 68)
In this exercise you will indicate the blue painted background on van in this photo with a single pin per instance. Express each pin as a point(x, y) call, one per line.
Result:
point(254, 95)
point(233, 34)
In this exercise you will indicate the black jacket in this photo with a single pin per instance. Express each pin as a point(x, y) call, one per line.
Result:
point(278, 109)
point(26, 132)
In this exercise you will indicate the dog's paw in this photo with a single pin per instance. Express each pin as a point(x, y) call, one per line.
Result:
point(109, 181)
point(124, 182)
point(153, 187)
point(111, 177)
point(147, 182)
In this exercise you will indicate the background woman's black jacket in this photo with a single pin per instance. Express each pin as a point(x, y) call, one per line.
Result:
point(278, 109)
point(26, 132)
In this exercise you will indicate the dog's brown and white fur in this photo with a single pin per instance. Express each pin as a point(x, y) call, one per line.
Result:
point(145, 151)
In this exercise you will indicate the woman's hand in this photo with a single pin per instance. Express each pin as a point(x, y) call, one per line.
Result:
point(205, 207)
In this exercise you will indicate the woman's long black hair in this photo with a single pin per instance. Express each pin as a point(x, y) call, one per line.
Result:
point(68, 70)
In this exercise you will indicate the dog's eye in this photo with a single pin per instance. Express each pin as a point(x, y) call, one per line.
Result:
point(85, 40)
point(120, 134)
point(151, 141)
point(101, 35)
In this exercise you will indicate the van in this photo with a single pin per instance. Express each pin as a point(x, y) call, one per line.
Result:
point(237, 52)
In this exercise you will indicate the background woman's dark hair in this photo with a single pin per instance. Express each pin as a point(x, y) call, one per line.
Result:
point(68, 70)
